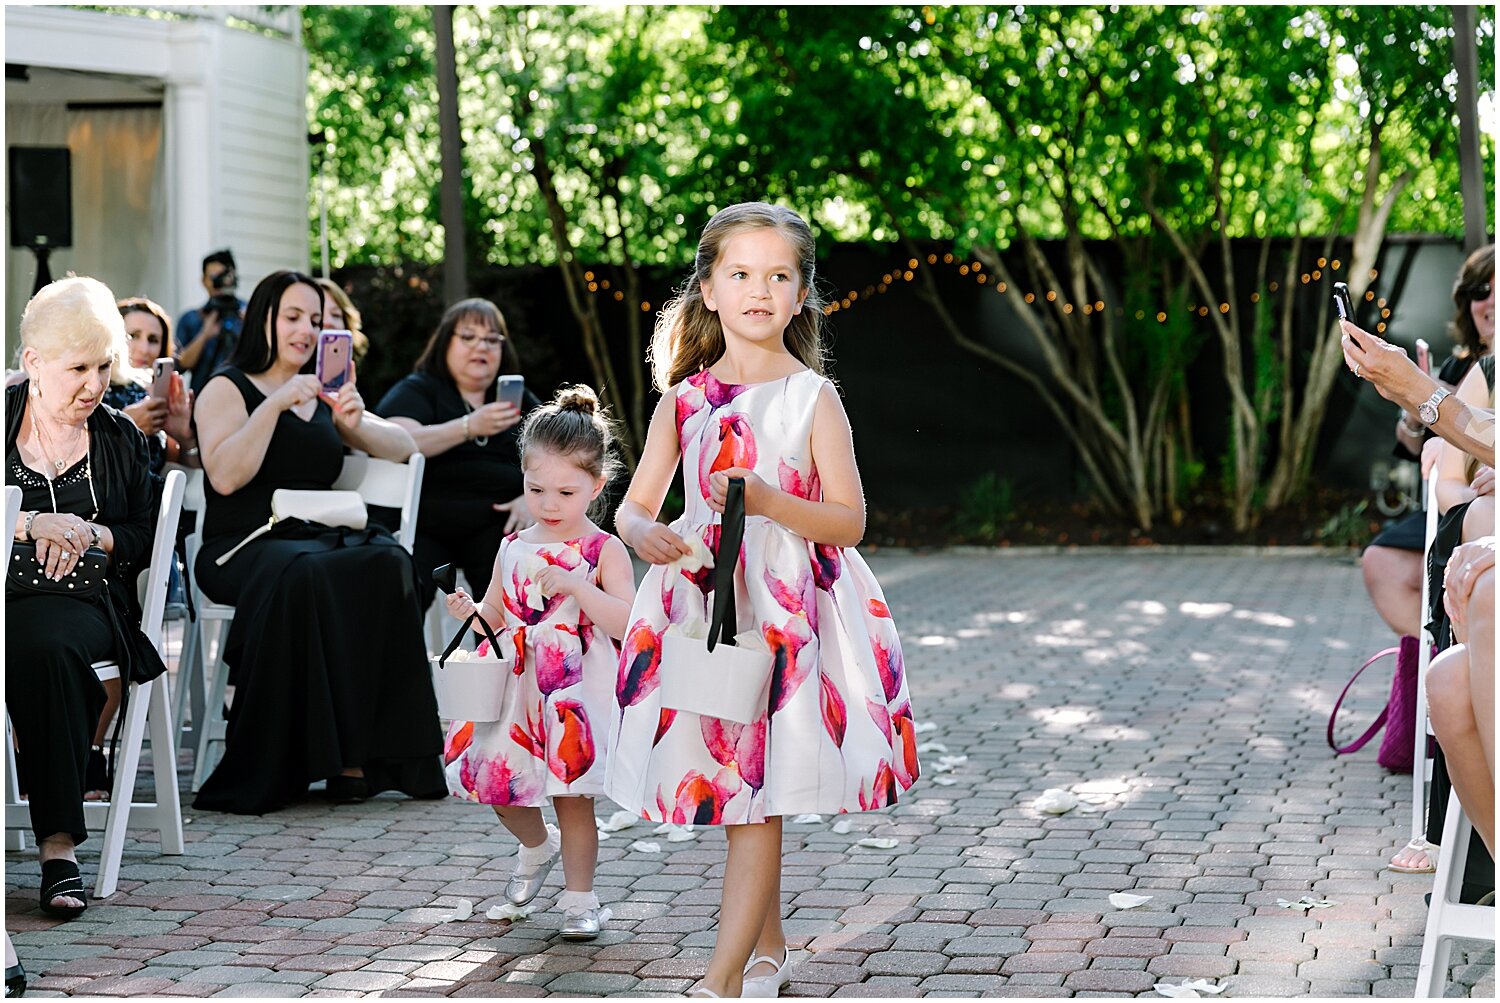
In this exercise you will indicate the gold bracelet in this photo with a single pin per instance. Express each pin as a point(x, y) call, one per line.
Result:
point(466, 428)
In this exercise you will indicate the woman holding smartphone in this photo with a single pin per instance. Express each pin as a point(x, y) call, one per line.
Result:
point(166, 408)
point(452, 406)
point(325, 652)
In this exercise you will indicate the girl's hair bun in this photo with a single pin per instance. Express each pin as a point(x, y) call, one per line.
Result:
point(578, 398)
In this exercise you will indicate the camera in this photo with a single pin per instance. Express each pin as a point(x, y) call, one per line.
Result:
point(226, 306)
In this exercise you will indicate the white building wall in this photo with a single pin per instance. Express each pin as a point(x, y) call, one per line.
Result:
point(236, 160)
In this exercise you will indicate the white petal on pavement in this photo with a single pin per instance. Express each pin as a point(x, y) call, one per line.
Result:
point(923, 727)
point(807, 819)
point(681, 834)
point(878, 843)
point(462, 910)
point(944, 781)
point(842, 826)
point(1055, 801)
point(1176, 992)
point(954, 760)
point(1306, 902)
point(932, 747)
point(1125, 900)
point(619, 820)
point(512, 913)
point(641, 846)
point(1203, 986)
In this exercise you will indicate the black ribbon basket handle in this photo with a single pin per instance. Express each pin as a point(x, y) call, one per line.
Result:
point(463, 632)
point(722, 626)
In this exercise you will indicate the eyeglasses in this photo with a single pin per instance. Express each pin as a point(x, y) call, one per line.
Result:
point(1476, 292)
point(493, 341)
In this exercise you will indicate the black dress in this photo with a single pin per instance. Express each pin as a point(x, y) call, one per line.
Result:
point(53, 696)
point(326, 649)
point(457, 523)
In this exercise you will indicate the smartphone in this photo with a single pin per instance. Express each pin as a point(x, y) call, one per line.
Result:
point(161, 378)
point(445, 577)
point(1424, 357)
point(335, 349)
point(509, 389)
point(1345, 307)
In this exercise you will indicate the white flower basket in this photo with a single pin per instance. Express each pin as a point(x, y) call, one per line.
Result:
point(468, 687)
point(732, 682)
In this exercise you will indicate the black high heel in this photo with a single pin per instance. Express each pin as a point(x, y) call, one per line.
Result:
point(15, 980)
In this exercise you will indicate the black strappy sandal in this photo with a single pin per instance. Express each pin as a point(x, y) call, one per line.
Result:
point(60, 879)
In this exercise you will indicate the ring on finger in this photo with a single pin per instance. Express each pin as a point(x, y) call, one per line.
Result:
point(1356, 371)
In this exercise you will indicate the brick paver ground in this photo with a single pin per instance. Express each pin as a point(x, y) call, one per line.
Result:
point(1183, 696)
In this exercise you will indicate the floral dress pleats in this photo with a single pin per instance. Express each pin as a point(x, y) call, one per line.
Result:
point(838, 733)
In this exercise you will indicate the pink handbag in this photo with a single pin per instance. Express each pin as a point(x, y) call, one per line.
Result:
point(1399, 717)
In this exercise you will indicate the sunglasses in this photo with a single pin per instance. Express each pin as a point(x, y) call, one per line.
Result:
point(1478, 291)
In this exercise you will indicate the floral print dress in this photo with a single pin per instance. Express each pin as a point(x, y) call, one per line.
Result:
point(549, 741)
point(838, 734)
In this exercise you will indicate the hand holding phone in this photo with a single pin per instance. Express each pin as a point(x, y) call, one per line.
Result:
point(161, 378)
point(335, 350)
point(1344, 307)
point(1424, 357)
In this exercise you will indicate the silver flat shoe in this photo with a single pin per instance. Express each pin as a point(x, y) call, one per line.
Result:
point(581, 925)
point(522, 888)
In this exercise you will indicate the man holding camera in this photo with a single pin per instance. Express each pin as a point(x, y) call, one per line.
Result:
point(206, 336)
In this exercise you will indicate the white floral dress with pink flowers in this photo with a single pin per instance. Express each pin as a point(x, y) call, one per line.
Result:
point(549, 740)
point(838, 734)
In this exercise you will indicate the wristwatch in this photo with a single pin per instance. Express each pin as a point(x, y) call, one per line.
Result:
point(1427, 411)
point(26, 531)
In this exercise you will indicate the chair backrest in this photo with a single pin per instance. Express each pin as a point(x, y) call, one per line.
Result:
point(389, 485)
point(12, 513)
point(154, 606)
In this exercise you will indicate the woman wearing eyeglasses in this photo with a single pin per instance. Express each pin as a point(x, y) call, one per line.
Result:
point(471, 490)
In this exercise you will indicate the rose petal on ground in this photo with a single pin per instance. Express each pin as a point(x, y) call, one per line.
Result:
point(1176, 992)
point(842, 826)
point(932, 747)
point(1306, 902)
point(641, 846)
point(924, 727)
point(878, 843)
point(510, 913)
point(1055, 801)
point(619, 820)
point(1125, 900)
point(953, 760)
point(1203, 986)
point(681, 834)
point(944, 781)
point(807, 819)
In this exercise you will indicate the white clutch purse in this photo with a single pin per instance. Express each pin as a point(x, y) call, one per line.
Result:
point(344, 509)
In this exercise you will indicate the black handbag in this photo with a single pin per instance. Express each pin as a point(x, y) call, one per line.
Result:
point(26, 576)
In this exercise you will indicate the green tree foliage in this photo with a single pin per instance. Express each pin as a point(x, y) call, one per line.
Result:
point(1115, 163)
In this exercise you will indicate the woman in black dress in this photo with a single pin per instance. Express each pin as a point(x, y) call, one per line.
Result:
point(86, 482)
point(471, 487)
point(326, 651)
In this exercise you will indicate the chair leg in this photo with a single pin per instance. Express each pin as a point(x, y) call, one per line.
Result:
point(15, 839)
point(188, 667)
point(211, 728)
point(126, 767)
point(164, 767)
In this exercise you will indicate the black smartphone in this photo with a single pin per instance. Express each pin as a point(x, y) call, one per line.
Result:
point(1345, 307)
point(445, 578)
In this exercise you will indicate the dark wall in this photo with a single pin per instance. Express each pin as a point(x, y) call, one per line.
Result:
point(929, 417)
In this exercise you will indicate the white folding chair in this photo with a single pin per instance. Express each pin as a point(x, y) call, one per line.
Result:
point(15, 839)
point(385, 483)
point(149, 708)
point(1447, 918)
point(1421, 765)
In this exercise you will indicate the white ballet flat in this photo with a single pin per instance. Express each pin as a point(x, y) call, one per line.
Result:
point(768, 986)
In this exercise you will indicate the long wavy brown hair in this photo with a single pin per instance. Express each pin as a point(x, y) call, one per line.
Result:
point(1478, 270)
point(688, 336)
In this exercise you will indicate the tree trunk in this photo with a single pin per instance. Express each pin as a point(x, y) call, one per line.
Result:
point(1470, 161)
point(451, 192)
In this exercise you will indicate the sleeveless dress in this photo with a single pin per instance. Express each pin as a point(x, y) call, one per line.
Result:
point(325, 651)
point(549, 741)
point(838, 734)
